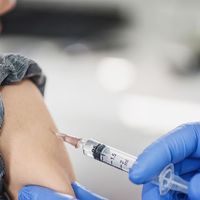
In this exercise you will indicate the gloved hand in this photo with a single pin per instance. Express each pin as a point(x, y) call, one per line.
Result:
point(181, 146)
point(40, 193)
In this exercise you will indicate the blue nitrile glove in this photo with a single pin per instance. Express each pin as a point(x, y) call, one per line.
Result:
point(181, 146)
point(41, 193)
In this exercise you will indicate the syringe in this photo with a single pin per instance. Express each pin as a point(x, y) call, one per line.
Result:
point(166, 180)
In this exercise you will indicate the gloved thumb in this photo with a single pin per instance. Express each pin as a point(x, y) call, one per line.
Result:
point(33, 192)
point(83, 194)
point(194, 189)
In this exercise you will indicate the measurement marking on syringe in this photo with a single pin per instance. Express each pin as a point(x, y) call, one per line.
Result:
point(124, 162)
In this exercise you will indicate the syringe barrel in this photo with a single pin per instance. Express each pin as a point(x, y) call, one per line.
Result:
point(108, 155)
point(166, 180)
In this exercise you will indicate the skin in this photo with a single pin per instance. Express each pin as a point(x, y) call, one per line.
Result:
point(33, 154)
point(5, 6)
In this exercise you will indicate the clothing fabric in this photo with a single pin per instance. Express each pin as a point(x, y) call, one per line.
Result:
point(13, 69)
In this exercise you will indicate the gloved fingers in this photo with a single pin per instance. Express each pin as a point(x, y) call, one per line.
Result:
point(84, 194)
point(187, 166)
point(173, 147)
point(189, 176)
point(151, 192)
point(194, 191)
point(40, 193)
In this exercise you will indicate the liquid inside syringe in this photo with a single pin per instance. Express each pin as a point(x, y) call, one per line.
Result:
point(102, 153)
point(108, 155)
point(166, 181)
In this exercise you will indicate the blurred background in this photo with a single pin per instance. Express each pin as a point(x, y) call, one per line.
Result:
point(122, 72)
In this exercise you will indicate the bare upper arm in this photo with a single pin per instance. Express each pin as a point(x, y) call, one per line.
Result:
point(32, 153)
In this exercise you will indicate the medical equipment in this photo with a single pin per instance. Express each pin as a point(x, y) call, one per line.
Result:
point(166, 180)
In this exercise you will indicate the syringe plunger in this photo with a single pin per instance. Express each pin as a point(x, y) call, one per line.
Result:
point(166, 180)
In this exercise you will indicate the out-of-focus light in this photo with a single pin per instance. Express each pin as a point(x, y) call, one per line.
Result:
point(77, 48)
point(156, 115)
point(115, 74)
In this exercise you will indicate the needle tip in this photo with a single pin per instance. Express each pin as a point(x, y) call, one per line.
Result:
point(69, 139)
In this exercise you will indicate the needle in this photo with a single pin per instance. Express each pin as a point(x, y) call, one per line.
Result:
point(69, 139)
